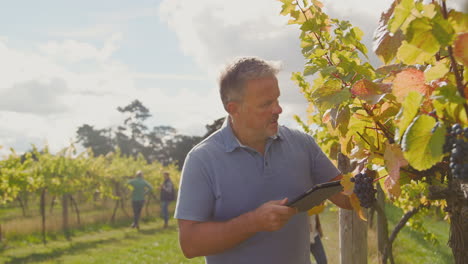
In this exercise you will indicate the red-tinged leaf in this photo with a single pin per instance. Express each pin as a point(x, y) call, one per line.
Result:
point(367, 90)
point(410, 80)
point(394, 160)
point(460, 48)
point(357, 206)
point(348, 186)
point(392, 187)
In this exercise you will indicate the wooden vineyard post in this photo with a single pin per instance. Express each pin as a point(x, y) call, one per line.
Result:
point(353, 238)
point(353, 230)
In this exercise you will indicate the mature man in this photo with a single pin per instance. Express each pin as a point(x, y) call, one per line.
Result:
point(235, 184)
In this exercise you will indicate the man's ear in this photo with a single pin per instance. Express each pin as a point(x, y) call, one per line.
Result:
point(232, 108)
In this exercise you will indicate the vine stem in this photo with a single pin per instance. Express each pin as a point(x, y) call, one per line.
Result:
point(387, 134)
point(381, 178)
point(397, 229)
point(315, 33)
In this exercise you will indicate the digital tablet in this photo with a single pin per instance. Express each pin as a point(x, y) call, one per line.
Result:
point(315, 195)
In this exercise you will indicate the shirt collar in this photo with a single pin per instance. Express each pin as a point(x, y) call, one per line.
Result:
point(230, 140)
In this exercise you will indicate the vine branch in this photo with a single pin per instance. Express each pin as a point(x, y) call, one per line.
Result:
point(397, 229)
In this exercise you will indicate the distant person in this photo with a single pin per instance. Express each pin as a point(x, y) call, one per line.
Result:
point(140, 188)
point(316, 233)
point(235, 184)
point(167, 195)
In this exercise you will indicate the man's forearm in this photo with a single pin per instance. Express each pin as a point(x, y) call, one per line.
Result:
point(208, 238)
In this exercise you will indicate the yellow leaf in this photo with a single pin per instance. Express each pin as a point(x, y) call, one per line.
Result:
point(316, 209)
point(348, 186)
point(357, 206)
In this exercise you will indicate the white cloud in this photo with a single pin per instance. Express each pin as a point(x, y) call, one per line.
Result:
point(74, 51)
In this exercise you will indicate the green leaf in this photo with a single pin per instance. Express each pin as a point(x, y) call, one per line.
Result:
point(409, 110)
point(458, 20)
point(439, 70)
point(287, 7)
point(423, 141)
point(329, 95)
point(410, 54)
point(442, 30)
point(420, 34)
point(342, 120)
point(401, 14)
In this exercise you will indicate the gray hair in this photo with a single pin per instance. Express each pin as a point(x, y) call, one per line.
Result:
point(236, 74)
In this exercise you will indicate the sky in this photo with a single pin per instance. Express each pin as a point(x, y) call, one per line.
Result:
point(68, 63)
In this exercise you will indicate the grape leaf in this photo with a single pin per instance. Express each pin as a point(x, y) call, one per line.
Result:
point(460, 50)
point(410, 54)
point(408, 111)
point(392, 187)
point(422, 142)
point(367, 91)
point(394, 160)
point(458, 20)
point(386, 43)
point(436, 72)
point(330, 95)
point(401, 16)
point(408, 80)
point(357, 206)
point(348, 186)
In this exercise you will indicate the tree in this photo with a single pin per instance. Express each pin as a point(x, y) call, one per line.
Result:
point(99, 141)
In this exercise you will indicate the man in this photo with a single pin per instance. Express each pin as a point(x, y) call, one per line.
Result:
point(167, 195)
point(235, 184)
point(140, 188)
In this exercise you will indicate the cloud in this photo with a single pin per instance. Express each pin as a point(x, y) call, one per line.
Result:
point(34, 96)
point(75, 51)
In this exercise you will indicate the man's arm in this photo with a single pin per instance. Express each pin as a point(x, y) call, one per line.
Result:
point(341, 199)
point(208, 238)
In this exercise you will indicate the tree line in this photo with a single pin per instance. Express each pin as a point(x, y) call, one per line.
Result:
point(159, 143)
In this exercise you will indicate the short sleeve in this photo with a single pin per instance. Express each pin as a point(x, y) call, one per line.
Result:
point(196, 196)
point(322, 168)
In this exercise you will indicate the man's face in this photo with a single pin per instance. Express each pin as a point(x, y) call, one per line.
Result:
point(259, 108)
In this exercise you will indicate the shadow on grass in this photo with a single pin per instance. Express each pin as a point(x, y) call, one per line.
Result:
point(77, 247)
point(74, 247)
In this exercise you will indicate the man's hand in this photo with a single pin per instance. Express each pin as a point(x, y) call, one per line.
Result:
point(273, 215)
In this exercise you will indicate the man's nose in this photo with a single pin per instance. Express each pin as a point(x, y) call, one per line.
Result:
point(277, 109)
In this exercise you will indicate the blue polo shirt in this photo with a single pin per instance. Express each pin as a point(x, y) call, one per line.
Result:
point(222, 179)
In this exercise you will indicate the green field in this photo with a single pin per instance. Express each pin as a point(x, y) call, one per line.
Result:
point(118, 243)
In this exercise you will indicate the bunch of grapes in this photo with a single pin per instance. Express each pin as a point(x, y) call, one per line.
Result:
point(364, 189)
point(456, 145)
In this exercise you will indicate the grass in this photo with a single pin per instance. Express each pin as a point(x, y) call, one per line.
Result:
point(152, 244)
point(117, 243)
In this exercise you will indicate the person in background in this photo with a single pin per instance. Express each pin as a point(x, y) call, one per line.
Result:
point(167, 195)
point(140, 188)
point(316, 233)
